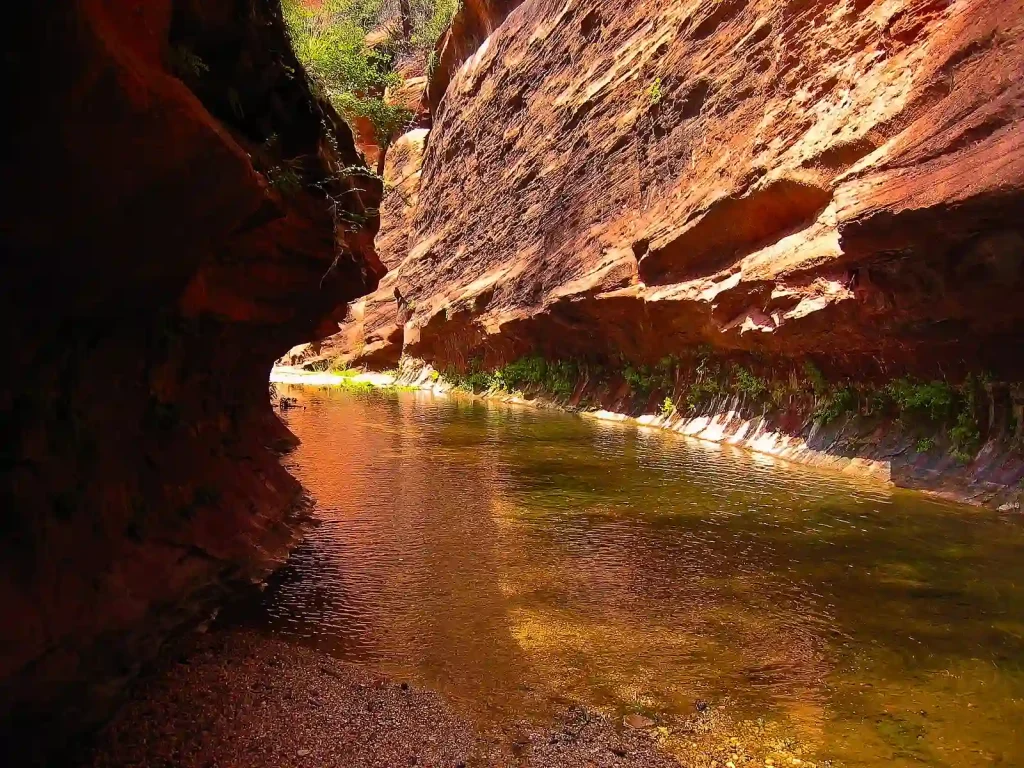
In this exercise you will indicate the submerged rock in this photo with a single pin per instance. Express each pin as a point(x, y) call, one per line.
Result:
point(637, 721)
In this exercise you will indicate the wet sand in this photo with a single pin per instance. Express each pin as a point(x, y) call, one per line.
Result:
point(241, 698)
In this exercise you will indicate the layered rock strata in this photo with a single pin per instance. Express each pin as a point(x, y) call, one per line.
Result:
point(617, 183)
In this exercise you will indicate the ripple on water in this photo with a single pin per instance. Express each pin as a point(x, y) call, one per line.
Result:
point(518, 559)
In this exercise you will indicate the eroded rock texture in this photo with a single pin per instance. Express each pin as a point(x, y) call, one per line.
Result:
point(473, 23)
point(804, 178)
point(172, 223)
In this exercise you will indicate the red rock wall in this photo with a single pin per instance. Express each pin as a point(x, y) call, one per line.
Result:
point(615, 184)
point(172, 223)
point(474, 22)
point(837, 180)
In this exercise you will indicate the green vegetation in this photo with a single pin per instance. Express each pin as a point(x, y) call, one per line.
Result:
point(965, 434)
point(431, 20)
point(330, 41)
point(921, 405)
point(834, 404)
point(339, 368)
point(432, 62)
point(818, 381)
point(557, 377)
point(748, 384)
point(644, 379)
point(285, 179)
point(708, 385)
point(933, 400)
point(654, 92)
point(704, 391)
point(926, 408)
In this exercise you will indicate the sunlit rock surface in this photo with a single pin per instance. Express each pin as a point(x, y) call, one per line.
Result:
point(837, 179)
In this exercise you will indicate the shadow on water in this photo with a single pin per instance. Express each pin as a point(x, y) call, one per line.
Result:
point(518, 560)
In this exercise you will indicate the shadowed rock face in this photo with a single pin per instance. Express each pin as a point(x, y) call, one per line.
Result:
point(837, 180)
point(173, 223)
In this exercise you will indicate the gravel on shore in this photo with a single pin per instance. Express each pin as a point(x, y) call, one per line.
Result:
point(242, 698)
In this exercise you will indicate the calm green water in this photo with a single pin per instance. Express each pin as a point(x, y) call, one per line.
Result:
point(519, 559)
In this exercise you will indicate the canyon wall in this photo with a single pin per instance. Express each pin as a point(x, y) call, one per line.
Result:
point(174, 219)
point(778, 184)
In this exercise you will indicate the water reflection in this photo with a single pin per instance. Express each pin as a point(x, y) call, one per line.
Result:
point(518, 559)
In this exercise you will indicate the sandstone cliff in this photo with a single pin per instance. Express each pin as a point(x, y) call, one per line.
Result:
point(174, 219)
point(776, 184)
point(842, 179)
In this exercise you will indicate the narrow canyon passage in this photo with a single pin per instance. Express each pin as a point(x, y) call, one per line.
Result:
point(795, 227)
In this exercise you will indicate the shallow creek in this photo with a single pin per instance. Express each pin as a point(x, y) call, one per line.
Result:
point(519, 560)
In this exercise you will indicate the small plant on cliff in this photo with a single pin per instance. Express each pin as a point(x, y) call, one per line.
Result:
point(340, 368)
point(560, 377)
point(432, 62)
point(436, 17)
point(932, 401)
point(285, 179)
point(836, 403)
point(654, 93)
point(644, 379)
point(524, 372)
point(668, 408)
point(639, 379)
point(816, 378)
point(965, 434)
point(186, 63)
point(707, 385)
point(925, 444)
point(388, 120)
point(750, 385)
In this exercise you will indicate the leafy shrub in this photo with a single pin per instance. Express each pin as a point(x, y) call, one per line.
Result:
point(556, 377)
point(933, 400)
point(779, 393)
point(388, 120)
point(814, 375)
point(432, 63)
point(524, 372)
point(330, 41)
point(560, 377)
point(837, 403)
point(748, 384)
point(285, 179)
point(667, 407)
point(704, 390)
point(645, 379)
point(654, 93)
